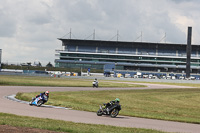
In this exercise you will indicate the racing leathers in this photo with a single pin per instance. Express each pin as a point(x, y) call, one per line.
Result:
point(109, 105)
point(42, 95)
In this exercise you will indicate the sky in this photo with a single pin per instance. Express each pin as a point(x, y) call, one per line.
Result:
point(29, 29)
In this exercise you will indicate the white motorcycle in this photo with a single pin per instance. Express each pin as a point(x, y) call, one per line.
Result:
point(95, 84)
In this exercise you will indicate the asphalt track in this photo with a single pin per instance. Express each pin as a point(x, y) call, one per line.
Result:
point(9, 106)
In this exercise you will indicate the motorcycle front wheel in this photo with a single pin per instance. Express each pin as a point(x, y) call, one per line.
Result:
point(114, 113)
point(30, 103)
point(99, 112)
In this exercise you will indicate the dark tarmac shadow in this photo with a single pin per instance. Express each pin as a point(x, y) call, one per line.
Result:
point(118, 117)
point(122, 117)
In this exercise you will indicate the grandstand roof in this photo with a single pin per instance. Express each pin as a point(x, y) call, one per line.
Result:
point(115, 42)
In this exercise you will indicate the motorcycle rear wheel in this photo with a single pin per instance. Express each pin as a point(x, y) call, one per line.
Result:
point(114, 113)
point(99, 112)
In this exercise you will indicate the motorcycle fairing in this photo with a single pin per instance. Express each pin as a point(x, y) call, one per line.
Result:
point(36, 101)
point(115, 106)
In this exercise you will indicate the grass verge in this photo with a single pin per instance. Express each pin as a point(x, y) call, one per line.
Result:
point(64, 126)
point(59, 82)
point(165, 104)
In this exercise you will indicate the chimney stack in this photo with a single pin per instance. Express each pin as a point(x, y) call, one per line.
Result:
point(189, 49)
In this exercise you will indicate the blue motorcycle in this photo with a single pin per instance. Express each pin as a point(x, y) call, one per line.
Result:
point(39, 100)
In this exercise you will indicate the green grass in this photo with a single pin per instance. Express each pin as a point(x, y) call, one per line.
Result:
point(165, 104)
point(72, 82)
point(168, 83)
point(59, 82)
point(64, 126)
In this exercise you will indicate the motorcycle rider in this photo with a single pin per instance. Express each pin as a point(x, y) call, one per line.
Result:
point(109, 105)
point(95, 82)
point(42, 94)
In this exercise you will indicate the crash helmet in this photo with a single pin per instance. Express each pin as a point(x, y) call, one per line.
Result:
point(47, 93)
point(117, 100)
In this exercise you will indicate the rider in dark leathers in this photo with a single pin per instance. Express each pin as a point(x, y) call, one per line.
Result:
point(109, 105)
point(42, 94)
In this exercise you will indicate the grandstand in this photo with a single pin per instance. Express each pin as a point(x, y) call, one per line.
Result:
point(127, 56)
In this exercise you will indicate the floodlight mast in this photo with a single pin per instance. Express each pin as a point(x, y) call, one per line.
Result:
point(70, 34)
point(94, 35)
point(139, 37)
point(163, 39)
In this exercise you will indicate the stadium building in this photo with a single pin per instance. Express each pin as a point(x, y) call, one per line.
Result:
point(129, 56)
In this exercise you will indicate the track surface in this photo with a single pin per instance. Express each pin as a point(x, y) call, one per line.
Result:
point(8, 106)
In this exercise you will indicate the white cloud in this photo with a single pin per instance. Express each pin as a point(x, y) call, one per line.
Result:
point(29, 29)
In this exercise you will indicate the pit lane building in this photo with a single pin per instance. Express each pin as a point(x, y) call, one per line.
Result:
point(131, 56)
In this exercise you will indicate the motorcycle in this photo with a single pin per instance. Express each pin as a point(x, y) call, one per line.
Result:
point(113, 111)
point(39, 100)
point(95, 84)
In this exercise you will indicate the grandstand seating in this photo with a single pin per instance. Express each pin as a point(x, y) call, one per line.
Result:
point(71, 48)
point(91, 49)
point(181, 53)
point(165, 52)
point(127, 50)
point(193, 54)
point(107, 49)
point(146, 51)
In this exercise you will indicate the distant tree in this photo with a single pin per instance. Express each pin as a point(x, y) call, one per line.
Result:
point(49, 65)
point(39, 64)
point(2, 65)
point(29, 63)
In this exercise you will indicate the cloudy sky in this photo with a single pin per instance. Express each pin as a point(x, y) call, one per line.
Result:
point(29, 28)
